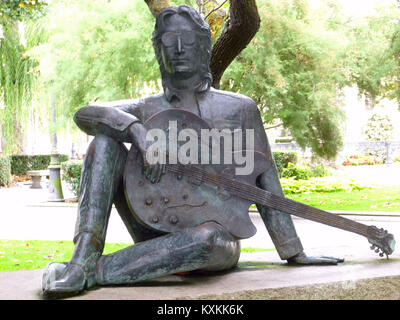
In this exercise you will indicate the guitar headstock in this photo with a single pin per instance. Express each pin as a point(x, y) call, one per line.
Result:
point(382, 241)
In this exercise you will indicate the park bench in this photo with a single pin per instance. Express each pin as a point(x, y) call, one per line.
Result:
point(36, 176)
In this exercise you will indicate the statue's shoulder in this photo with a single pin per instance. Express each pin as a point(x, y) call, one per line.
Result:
point(155, 98)
point(130, 104)
point(114, 103)
point(236, 99)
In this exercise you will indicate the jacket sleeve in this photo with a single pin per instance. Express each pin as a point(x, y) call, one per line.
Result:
point(254, 121)
point(269, 180)
point(111, 118)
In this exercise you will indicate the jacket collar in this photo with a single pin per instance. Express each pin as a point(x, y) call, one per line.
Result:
point(171, 92)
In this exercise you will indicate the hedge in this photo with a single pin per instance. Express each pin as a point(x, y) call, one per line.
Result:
point(283, 158)
point(21, 164)
point(71, 173)
point(5, 171)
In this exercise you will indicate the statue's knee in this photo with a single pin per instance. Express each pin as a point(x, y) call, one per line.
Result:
point(211, 235)
point(104, 145)
point(219, 246)
point(101, 143)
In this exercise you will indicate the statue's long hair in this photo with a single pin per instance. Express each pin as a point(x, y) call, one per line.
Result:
point(203, 29)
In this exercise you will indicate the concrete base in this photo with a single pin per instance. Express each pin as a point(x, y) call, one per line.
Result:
point(252, 274)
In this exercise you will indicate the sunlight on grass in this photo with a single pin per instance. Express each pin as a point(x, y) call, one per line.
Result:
point(36, 254)
point(385, 198)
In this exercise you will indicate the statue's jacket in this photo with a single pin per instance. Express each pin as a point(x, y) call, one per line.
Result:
point(220, 109)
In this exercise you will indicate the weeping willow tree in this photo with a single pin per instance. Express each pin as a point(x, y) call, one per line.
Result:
point(16, 81)
point(17, 71)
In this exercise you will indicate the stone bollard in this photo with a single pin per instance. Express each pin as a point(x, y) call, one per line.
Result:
point(55, 186)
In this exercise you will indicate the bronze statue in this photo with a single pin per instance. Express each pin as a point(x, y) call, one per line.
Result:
point(182, 45)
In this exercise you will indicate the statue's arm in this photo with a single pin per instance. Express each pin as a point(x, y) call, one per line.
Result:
point(112, 119)
point(268, 180)
point(279, 225)
point(120, 120)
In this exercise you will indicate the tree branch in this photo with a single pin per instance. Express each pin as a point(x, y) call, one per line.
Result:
point(156, 6)
point(274, 126)
point(243, 25)
point(215, 9)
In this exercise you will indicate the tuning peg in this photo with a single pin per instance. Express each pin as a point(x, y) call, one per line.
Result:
point(372, 247)
point(377, 250)
point(381, 254)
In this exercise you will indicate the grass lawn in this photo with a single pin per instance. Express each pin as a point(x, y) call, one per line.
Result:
point(36, 254)
point(385, 198)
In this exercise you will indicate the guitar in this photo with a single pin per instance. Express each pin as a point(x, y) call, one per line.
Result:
point(189, 195)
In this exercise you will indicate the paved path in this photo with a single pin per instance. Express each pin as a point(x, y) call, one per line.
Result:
point(26, 215)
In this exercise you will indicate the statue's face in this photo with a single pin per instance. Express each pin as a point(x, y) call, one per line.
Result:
point(179, 47)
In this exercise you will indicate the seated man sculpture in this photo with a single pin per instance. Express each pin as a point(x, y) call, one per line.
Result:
point(182, 43)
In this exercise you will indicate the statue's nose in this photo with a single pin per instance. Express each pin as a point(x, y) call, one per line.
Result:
point(179, 47)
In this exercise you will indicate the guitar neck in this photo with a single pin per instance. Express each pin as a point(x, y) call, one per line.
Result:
point(270, 200)
point(311, 213)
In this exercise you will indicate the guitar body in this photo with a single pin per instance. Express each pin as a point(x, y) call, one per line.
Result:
point(178, 201)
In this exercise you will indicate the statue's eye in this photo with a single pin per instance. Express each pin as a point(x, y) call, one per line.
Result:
point(188, 37)
point(170, 39)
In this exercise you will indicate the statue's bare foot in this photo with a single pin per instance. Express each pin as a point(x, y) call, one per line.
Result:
point(303, 259)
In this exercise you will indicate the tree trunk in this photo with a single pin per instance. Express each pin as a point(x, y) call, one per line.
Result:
point(370, 101)
point(2, 139)
point(242, 26)
point(156, 6)
point(18, 139)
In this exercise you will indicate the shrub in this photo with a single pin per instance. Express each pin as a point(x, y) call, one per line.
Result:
point(21, 164)
point(5, 171)
point(296, 172)
point(379, 127)
point(283, 158)
point(304, 172)
point(323, 184)
point(71, 173)
point(319, 171)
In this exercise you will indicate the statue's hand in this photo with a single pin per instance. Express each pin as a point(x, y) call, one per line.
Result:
point(153, 172)
point(303, 259)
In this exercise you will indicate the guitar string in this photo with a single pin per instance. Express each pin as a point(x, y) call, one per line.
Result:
point(318, 216)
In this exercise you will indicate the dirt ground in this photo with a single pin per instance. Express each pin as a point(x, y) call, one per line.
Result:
point(387, 288)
